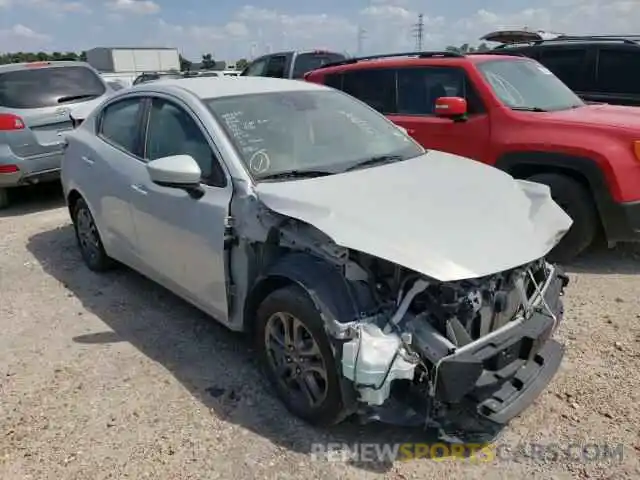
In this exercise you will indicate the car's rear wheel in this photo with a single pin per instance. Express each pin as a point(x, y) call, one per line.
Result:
point(4, 198)
point(576, 201)
point(297, 357)
point(88, 238)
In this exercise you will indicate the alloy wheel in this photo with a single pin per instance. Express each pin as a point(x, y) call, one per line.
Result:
point(296, 360)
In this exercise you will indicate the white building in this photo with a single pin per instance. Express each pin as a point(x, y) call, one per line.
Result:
point(127, 63)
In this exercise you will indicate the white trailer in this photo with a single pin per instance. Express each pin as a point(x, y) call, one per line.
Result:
point(133, 61)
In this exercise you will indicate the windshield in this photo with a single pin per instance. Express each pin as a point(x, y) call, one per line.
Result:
point(527, 85)
point(308, 131)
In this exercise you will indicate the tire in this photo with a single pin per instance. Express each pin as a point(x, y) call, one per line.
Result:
point(577, 202)
point(4, 198)
point(88, 238)
point(293, 301)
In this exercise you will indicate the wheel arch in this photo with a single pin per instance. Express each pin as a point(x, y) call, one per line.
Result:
point(328, 291)
point(324, 284)
point(72, 196)
point(72, 199)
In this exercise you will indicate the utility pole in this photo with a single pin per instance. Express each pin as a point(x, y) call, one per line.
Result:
point(418, 32)
point(362, 35)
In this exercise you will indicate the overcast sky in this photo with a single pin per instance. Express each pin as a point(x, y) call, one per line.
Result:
point(229, 29)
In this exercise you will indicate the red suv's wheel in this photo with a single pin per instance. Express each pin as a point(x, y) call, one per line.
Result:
point(576, 201)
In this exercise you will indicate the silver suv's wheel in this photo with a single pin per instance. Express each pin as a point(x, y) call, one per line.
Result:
point(4, 198)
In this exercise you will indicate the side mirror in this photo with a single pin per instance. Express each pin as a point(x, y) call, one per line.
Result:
point(177, 171)
point(454, 108)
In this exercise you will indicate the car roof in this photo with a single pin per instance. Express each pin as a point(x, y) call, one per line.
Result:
point(404, 60)
point(12, 67)
point(299, 52)
point(214, 87)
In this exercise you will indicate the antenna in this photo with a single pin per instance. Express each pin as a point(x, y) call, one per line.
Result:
point(362, 35)
point(418, 32)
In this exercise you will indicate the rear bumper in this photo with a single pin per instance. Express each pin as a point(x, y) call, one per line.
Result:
point(622, 223)
point(36, 169)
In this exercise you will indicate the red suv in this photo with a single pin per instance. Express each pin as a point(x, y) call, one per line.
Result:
point(513, 113)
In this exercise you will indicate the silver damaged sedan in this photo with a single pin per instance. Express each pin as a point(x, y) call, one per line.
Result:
point(375, 278)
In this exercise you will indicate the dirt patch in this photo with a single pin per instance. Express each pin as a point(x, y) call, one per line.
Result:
point(113, 377)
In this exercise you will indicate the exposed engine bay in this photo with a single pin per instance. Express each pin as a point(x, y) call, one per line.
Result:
point(462, 311)
point(421, 331)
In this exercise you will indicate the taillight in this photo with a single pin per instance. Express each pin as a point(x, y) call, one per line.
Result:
point(9, 121)
point(8, 169)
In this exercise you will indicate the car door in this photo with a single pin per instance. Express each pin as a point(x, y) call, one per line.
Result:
point(418, 88)
point(180, 237)
point(109, 163)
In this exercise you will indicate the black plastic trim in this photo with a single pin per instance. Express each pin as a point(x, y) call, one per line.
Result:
point(528, 383)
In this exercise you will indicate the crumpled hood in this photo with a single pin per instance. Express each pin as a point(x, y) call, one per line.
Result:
point(444, 216)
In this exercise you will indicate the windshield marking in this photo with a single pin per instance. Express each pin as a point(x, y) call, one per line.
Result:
point(297, 134)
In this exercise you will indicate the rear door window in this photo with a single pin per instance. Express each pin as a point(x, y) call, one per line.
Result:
point(375, 87)
point(119, 124)
point(40, 87)
point(568, 64)
point(256, 69)
point(618, 71)
point(333, 80)
point(305, 62)
point(276, 67)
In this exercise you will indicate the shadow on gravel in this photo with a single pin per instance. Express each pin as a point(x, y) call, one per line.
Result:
point(214, 364)
point(33, 198)
point(624, 259)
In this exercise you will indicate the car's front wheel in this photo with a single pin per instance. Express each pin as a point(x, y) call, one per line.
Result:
point(298, 359)
point(88, 238)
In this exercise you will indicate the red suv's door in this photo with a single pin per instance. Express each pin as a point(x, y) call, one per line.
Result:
point(418, 90)
point(468, 138)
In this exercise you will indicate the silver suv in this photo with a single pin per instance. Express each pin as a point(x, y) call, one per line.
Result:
point(36, 101)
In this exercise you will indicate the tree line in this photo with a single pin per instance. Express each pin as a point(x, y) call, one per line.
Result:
point(20, 57)
point(207, 62)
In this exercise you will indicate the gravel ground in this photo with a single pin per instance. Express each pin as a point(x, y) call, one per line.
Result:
point(113, 377)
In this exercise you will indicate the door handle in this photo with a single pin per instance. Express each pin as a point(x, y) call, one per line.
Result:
point(87, 160)
point(139, 189)
point(411, 131)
